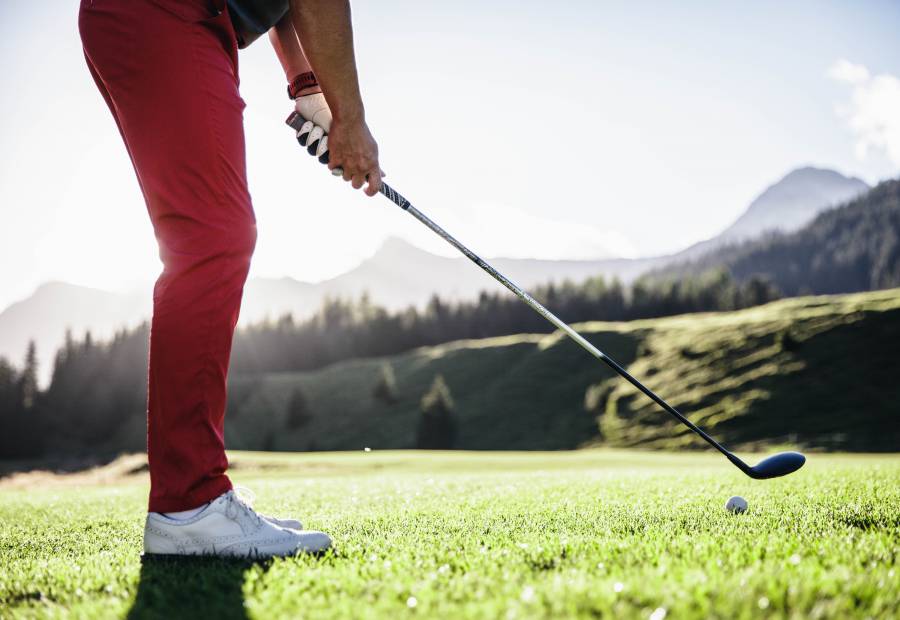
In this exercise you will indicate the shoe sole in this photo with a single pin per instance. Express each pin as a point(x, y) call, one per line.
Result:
point(210, 557)
point(205, 560)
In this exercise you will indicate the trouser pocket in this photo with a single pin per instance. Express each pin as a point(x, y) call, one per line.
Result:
point(193, 11)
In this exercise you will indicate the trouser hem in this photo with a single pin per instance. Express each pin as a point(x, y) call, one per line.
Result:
point(207, 493)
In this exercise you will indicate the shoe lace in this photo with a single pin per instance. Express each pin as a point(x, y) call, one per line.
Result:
point(240, 499)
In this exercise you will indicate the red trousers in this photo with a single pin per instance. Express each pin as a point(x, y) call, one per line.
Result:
point(168, 71)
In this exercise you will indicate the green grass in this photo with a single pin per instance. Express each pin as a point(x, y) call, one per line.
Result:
point(813, 371)
point(482, 535)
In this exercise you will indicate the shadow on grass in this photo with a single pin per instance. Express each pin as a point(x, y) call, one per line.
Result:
point(192, 588)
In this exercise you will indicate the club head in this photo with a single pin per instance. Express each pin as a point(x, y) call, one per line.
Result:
point(777, 465)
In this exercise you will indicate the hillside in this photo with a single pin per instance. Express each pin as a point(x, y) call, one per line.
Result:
point(785, 206)
point(816, 371)
point(57, 306)
point(399, 275)
point(851, 248)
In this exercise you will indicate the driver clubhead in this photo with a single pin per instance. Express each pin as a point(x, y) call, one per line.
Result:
point(777, 465)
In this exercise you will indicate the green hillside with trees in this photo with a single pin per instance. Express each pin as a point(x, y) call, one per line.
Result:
point(816, 372)
point(97, 394)
point(488, 373)
point(852, 248)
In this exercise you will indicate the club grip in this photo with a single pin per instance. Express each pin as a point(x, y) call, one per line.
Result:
point(313, 138)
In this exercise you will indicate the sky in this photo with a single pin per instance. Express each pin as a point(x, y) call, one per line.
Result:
point(527, 129)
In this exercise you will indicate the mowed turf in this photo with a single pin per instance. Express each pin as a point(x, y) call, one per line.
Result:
point(480, 535)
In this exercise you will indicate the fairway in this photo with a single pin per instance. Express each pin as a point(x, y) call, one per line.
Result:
point(597, 533)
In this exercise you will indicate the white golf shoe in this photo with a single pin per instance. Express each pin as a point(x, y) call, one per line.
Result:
point(288, 524)
point(249, 497)
point(228, 527)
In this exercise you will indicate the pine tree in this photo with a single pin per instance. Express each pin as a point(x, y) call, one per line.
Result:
point(19, 424)
point(756, 291)
point(386, 388)
point(10, 409)
point(437, 424)
point(298, 413)
point(28, 382)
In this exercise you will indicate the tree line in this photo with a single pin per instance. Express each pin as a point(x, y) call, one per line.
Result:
point(96, 399)
point(19, 408)
point(344, 329)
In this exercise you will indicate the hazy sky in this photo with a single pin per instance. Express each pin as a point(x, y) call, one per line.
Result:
point(552, 129)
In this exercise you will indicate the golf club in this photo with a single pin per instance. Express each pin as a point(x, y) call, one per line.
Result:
point(316, 142)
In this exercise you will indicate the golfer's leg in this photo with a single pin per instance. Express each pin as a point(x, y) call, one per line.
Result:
point(170, 71)
point(112, 108)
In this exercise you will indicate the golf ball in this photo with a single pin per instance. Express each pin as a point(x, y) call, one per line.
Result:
point(736, 504)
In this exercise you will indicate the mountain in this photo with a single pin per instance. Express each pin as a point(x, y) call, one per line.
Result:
point(785, 206)
point(852, 248)
point(275, 297)
point(56, 306)
point(400, 274)
point(793, 202)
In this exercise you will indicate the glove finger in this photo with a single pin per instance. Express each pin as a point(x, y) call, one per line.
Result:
point(313, 141)
point(303, 134)
point(322, 150)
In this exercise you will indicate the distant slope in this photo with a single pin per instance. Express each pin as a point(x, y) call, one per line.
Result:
point(818, 371)
point(56, 306)
point(852, 248)
point(400, 274)
point(785, 206)
point(793, 202)
point(397, 276)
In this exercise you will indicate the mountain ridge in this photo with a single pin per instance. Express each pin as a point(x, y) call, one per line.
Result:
point(397, 275)
point(786, 206)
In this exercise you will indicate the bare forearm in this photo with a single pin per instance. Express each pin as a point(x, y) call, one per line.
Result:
point(287, 47)
point(326, 31)
point(290, 54)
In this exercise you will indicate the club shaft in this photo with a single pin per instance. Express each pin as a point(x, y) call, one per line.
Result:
point(535, 305)
point(297, 122)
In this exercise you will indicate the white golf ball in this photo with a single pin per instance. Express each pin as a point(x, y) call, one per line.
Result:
point(736, 504)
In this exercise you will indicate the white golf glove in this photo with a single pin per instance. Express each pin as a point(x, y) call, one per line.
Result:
point(314, 108)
